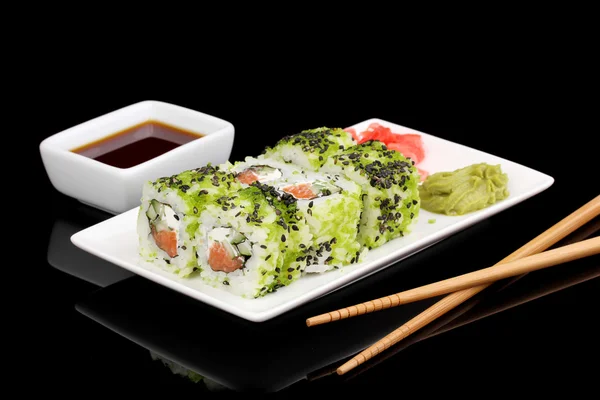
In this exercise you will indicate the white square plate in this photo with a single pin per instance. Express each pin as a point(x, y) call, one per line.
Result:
point(115, 239)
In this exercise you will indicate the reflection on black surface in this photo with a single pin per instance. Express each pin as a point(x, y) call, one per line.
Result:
point(65, 256)
point(500, 296)
point(187, 373)
point(196, 340)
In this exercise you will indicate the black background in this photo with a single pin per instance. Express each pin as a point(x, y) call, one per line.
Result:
point(528, 100)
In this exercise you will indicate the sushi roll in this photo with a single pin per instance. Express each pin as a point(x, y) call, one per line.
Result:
point(263, 170)
point(390, 190)
point(331, 206)
point(250, 243)
point(310, 148)
point(169, 211)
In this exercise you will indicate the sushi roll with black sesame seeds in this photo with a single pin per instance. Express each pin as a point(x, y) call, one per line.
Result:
point(331, 205)
point(310, 148)
point(246, 243)
point(390, 190)
point(263, 170)
point(169, 211)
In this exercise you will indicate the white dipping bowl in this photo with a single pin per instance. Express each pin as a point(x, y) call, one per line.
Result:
point(116, 190)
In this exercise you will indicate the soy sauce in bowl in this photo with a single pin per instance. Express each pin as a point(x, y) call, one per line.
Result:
point(137, 144)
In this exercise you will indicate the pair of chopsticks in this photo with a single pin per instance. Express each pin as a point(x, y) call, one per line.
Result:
point(531, 257)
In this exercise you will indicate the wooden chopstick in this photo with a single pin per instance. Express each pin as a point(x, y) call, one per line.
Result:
point(524, 265)
point(546, 239)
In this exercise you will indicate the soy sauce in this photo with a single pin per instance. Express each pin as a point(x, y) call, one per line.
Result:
point(137, 144)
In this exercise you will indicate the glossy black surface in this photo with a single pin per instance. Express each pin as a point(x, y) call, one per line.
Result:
point(82, 320)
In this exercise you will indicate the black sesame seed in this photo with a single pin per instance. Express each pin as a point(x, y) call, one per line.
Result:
point(238, 214)
point(176, 217)
point(295, 227)
point(167, 261)
point(225, 208)
point(277, 270)
point(226, 283)
point(290, 275)
point(290, 270)
point(414, 202)
point(183, 247)
point(263, 246)
point(267, 257)
point(310, 204)
point(283, 238)
point(302, 245)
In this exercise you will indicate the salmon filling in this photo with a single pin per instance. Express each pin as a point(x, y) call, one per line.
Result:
point(164, 224)
point(227, 250)
point(311, 190)
point(165, 240)
point(258, 173)
point(247, 177)
point(220, 259)
point(302, 191)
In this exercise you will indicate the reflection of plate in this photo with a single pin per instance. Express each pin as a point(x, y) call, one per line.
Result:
point(64, 256)
point(281, 352)
point(115, 240)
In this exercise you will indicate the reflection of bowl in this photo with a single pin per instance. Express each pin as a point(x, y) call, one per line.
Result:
point(117, 189)
point(65, 256)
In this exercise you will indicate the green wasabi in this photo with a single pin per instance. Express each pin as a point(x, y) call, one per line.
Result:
point(464, 190)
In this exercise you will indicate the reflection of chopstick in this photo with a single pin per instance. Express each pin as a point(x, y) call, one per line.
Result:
point(456, 321)
point(544, 291)
point(520, 266)
point(537, 245)
point(455, 318)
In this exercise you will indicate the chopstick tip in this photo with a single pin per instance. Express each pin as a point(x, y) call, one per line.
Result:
point(318, 320)
point(349, 365)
